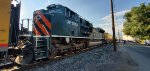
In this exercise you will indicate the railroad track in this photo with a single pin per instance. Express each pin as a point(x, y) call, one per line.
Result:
point(16, 67)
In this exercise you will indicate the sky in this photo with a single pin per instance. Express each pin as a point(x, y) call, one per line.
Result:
point(96, 11)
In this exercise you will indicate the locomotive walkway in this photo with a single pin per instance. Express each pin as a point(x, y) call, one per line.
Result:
point(98, 59)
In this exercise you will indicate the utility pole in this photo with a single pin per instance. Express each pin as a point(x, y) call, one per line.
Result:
point(118, 35)
point(113, 26)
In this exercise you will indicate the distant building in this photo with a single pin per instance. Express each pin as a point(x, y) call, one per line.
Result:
point(129, 38)
point(126, 37)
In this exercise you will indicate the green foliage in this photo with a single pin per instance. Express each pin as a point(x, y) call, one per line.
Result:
point(137, 22)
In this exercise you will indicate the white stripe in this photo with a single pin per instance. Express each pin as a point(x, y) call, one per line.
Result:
point(41, 36)
point(69, 36)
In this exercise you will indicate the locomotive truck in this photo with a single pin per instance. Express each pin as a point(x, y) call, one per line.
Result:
point(55, 31)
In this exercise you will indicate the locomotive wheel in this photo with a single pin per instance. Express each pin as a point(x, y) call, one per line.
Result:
point(26, 56)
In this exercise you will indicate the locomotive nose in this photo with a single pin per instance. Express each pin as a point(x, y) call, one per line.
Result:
point(42, 24)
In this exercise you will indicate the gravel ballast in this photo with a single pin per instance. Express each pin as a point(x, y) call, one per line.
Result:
point(98, 59)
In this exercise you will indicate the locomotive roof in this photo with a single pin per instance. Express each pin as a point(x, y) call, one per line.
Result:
point(54, 5)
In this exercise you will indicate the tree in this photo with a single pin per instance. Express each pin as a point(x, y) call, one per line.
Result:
point(137, 22)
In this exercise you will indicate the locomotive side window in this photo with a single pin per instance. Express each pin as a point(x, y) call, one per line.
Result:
point(67, 12)
point(80, 20)
point(70, 14)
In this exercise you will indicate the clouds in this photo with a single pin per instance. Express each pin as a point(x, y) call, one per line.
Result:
point(106, 21)
point(117, 14)
point(121, 13)
point(46, 3)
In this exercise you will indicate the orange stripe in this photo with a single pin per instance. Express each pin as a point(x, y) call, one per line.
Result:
point(36, 31)
point(48, 24)
point(42, 28)
point(3, 45)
